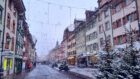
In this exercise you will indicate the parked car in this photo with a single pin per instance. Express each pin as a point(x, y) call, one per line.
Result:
point(63, 67)
point(54, 65)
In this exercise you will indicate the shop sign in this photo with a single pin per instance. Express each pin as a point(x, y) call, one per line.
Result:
point(7, 53)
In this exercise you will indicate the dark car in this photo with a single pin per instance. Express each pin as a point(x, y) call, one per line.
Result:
point(63, 67)
point(54, 65)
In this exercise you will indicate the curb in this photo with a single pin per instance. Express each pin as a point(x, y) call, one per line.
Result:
point(80, 75)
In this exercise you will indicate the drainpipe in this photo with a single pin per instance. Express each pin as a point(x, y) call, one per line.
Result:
point(111, 25)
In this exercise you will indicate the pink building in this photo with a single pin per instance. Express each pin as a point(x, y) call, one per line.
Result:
point(124, 17)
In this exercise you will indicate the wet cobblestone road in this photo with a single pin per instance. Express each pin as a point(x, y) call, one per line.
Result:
point(46, 72)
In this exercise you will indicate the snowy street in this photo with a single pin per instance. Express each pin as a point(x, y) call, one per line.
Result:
point(46, 72)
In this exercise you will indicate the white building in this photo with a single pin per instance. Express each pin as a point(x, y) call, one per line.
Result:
point(92, 44)
point(104, 21)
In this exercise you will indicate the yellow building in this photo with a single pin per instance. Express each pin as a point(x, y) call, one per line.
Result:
point(71, 51)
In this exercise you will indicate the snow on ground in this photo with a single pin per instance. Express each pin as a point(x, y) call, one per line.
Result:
point(137, 45)
point(90, 72)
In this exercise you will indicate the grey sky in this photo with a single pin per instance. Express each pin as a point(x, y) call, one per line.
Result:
point(48, 24)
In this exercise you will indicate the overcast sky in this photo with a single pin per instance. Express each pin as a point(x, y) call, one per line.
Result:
point(47, 19)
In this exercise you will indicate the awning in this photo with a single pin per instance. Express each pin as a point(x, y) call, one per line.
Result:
point(17, 56)
point(71, 57)
point(8, 54)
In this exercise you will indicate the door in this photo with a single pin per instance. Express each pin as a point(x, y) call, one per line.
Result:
point(8, 66)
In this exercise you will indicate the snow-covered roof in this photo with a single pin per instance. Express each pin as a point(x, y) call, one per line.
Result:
point(34, 39)
point(71, 27)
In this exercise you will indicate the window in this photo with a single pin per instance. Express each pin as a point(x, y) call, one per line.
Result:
point(124, 20)
point(129, 17)
point(115, 41)
point(114, 25)
point(13, 26)
point(106, 13)
point(119, 23)
point(124, 38)
point(120, 39)
point(87, 38)
point(101, 29)
point(88, 48)
point(90, 36)
point(7, 42)
point(1, 10)
point(101, 41)
point(94, 35)
point(134, 16)
point(91, 47)
point(108, 39)
point(8, 20)
point(112, 11)
point(99, 17)
point(95, 46)
point(15, 12)
point(12, 47)
point(93, 24)
point(118, 8)
point(107, 26)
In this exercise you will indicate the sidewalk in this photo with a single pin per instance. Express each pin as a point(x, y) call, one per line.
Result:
point(89, 73)
point(17, 76)
point(21, 75)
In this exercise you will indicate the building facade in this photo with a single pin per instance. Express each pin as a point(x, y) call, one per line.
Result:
point(2, 19)
point(19, 40)
point(80, 35)
point(33, 51)
point(92, 43)
point(105, 32)
point(2, 25)
point(13, 9)
point(26, 50)
point(124, 19)
point(71, 51)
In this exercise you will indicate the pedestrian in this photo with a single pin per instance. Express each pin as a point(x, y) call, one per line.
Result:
point(30, 65)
